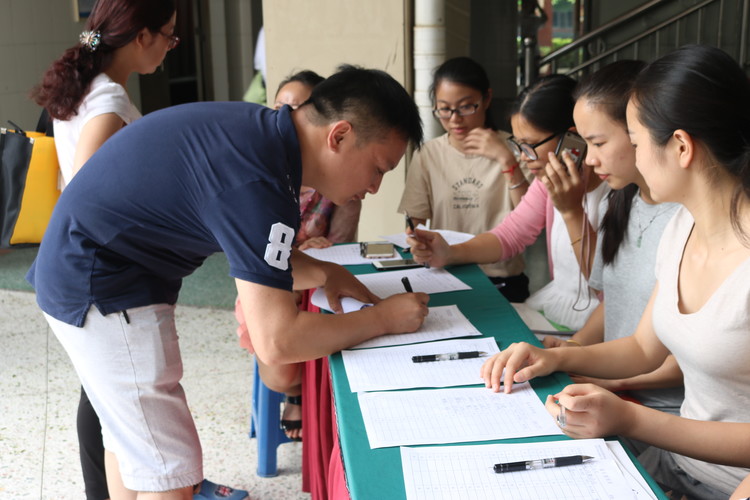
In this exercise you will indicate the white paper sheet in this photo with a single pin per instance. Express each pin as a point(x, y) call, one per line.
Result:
point(436, 416)
point(390, 368)
point(635, 479)
point(387, 283)
point(452, 237)
point(442, 322)
point(346, 255)
point(461, 472)
point(536, 321)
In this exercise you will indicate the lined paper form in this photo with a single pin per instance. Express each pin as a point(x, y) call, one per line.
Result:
point(385, 284)
point(346, 255)
point(635, 479)
point(442, 322)
point(452, 237)
point(390, 368)
point(436, 416)
point(460, 472)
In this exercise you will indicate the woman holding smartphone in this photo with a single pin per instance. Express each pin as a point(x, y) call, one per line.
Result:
point(699, 156)
point(561, 199)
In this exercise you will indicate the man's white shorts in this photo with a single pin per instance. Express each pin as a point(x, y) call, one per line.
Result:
point(129, 364)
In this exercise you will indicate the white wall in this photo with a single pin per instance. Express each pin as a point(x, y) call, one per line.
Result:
point(33, 33)
point(321, 34)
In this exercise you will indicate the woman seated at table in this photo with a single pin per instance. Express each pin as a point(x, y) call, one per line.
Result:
point(689, 120)
point(631, 228)
point(561, 200)
point(467, 179)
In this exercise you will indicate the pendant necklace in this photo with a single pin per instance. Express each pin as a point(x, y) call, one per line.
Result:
point(642, 230)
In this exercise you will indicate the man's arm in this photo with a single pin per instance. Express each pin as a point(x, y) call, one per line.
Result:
point(283, 334)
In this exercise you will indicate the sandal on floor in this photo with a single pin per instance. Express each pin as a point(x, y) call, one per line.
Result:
point(289, 425)
point(213, 491)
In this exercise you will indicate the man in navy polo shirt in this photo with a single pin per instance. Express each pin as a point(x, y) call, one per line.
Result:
point(168, 191)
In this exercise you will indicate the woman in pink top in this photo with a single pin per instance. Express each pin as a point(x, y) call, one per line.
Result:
point(555, 201)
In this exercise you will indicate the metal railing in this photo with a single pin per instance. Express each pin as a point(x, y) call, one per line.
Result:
point(722, 23)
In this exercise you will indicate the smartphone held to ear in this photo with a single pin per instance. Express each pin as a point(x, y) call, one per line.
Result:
point(574, 145)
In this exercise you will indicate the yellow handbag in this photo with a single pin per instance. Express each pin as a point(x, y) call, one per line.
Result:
point(28, 186)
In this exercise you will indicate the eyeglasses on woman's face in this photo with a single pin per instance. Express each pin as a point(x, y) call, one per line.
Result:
point(528, 149)
point(445, 113)
point(172, 40)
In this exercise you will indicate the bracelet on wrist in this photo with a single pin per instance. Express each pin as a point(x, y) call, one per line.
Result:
point(516, 186)
point(574, 342)
point(511, 169)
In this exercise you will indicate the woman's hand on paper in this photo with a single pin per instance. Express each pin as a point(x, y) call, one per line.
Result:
point(429, 247)
point(521, 362)
point(592, 412)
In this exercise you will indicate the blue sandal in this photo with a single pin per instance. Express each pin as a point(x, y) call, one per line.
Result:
point(213, 491)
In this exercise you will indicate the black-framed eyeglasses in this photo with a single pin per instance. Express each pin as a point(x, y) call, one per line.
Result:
point(172, 40)
point(528, 149)
point(464, 110)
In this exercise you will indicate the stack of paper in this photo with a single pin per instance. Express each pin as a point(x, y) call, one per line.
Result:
point(442, 322)
point(390, 368)
point(389, 283)
point(452, 237)
point(458, 472)
point(453, 416)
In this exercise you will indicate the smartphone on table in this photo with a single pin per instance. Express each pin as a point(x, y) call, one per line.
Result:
point(383, 265)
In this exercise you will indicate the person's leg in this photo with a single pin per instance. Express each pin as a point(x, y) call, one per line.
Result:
point(130, 367)
point(91, 450)
point(286, 379)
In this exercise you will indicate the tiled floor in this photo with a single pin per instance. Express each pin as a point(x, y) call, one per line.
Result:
point(38, 444)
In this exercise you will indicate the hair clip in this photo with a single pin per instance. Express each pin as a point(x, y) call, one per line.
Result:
point(90, 39)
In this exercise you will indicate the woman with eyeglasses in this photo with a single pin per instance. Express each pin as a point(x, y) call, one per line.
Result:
point(688, 119)
point(467, 179)
point(84, 92)
point(560, 199)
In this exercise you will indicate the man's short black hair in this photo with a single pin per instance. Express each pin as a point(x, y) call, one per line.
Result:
point(371, 100)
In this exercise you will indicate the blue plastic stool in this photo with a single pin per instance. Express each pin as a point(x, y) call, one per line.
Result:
point(265, 424)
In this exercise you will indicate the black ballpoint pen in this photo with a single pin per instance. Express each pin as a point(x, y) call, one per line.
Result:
point(447, 357)
point(542, 463)
point(413, 233)
point(407, 284)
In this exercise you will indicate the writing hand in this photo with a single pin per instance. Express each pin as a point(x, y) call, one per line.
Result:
point(592, 412)
point(404, 312)
point(429, 247)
